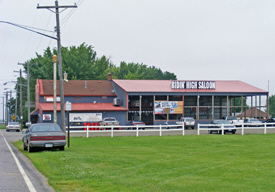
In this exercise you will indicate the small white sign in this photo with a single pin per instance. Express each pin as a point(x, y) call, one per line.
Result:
point(68, 106)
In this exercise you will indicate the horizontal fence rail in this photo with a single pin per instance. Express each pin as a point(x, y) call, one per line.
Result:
point(242, 127)
point(137, 129)
point(133, 128)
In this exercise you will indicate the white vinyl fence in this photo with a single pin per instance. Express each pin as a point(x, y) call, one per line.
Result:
point(133, 128)
point(242, 127)
point(137, 129)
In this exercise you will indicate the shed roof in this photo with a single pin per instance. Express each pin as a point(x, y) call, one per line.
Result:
point(78, 88)
point(165, 86)
point(83, 107)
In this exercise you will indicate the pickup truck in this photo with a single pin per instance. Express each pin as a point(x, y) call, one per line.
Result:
point(187, 121)
point(109, 121)
point(234, 120)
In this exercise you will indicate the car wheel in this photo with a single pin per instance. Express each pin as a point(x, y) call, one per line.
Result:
point(233, 132)
point(30, 149)
point(193, 127)
point(7, 130)
point(24, 147)
point(209, 131)
point(62, 148)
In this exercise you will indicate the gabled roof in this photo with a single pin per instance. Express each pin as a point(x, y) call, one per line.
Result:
point(83, 107)
point(251, 112)
point(165, 86)
point(78, 88)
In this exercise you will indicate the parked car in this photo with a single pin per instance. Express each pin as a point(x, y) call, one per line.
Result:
point(234, 120)
point(44, 135)
point(13, 126)
point(252, 122)
point(133, 124)
point(270, 122)
point(228, 127)
point(187, 121)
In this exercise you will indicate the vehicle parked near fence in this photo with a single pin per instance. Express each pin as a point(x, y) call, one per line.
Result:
point(13, 126)
point(252, 122)
point(234, 120)
point(187, 121)
point(217, 124)
point(270, 122)
point(109, 121)
point(133, 124)
point(44, 135)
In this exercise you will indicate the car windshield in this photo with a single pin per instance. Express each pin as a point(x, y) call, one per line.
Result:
point(13, 123)
point(256, 120)
point(222, 122)
point(190, 119)
point(109, 120)
point(46, 128)
point(231, 118)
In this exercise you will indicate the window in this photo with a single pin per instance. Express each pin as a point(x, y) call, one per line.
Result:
point(77, 98)
point(104, 97)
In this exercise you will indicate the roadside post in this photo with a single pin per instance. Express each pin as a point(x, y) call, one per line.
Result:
point(68, 109)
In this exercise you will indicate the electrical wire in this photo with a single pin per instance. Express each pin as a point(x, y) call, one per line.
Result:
point(65, 19)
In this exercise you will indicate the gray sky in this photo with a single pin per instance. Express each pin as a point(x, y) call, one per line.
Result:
point(195, 39)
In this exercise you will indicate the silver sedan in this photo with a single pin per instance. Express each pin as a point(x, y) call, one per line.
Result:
point(44, 135)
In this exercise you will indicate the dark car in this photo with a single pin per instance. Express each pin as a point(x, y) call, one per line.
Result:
point(270, 122)
point(217, 124)
point(133, 124)
point(44, 135)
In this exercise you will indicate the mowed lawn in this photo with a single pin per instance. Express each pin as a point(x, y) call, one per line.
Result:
point(167, 163)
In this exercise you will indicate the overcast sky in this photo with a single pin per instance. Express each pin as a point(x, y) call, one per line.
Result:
point(195, 40)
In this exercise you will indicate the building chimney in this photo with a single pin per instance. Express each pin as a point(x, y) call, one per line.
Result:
point(109, 77)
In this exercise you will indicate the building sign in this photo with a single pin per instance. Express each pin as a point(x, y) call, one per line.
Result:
point(193, 85)
point(85, 117)
point(50, 99)
point(168, 107)
point(47, 117)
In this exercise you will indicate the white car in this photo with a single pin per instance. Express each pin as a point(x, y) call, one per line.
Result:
point(187, 121)
point(13, 126)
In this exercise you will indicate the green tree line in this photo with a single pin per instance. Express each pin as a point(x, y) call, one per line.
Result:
point(82, 63)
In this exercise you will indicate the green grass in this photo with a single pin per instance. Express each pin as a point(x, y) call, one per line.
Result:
point(2, 126)
point(167, 163)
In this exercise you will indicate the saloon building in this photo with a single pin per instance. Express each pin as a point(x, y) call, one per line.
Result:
point(151, 101)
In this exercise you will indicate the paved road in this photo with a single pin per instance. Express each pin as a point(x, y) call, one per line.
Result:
point(16, 171)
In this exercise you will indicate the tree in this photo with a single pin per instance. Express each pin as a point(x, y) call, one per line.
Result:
point(82, 63)
point(238, 102)
point(271, 103)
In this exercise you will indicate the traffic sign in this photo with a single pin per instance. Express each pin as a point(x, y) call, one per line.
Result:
point(13, 117)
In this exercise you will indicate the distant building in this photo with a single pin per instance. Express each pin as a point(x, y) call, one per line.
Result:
point(254, 112)
point(151, 101)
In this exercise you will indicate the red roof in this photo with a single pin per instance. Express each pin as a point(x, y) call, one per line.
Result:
point(77, 88)
point(165, 86)
point(84, 107)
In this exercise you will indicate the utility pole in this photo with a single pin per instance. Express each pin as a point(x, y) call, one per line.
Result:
point(28, 85)
point(56, 7)
point(21, 94)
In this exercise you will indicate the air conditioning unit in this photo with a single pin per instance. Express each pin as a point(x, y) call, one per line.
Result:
point(116, 101)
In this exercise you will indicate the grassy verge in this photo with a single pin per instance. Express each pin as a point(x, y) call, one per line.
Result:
point(169, 163)
point(2, 126)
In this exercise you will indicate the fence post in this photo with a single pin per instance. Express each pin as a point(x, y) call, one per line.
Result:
point(265, 128)
point(242, 128)
point(222, 129)
point(183, 129)
point(112, 131)
point(87, 131)
point(198, 129)
point(137, 131)
point(160, 133)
